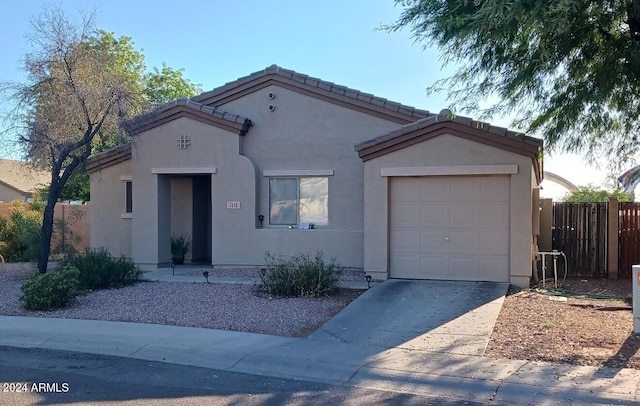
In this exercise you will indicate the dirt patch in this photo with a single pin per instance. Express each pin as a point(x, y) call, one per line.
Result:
point(587, 322)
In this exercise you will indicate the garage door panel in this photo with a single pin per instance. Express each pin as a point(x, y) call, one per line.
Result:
point(405, 241)
point(404, 192)
point(463, 242)
point(493, 243)
point(492, 268)
point(461, 233)
point(494, 189)
point(406, 214)
point(405, 265)
point(432, 267)
point(432, 190)
point(464, 189)
point(432, 241)
point(433, 215)
point(464, 215)
point(462, 268)
point(493, 215)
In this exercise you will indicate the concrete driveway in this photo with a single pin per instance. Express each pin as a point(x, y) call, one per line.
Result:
point(443, 316)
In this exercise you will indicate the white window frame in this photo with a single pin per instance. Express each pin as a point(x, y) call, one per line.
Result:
point(297, 175)
point(127, 214)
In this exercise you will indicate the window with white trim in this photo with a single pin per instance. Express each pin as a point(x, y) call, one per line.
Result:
point(128, 197)
point(299, 200)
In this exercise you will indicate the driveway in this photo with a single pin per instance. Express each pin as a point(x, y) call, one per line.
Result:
point(444, 316)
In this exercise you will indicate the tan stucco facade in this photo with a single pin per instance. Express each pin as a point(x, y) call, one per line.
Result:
point(448, 155)
point(110, 225)
point(199, 167)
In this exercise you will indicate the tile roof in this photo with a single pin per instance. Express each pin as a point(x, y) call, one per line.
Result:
point(22, 176)
point(447, 122)
point(314, 87)
point(109, 157)
point(186, 107)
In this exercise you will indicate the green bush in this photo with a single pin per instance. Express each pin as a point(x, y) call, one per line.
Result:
point(300, 275)
point(50, 290)
point(99, 270)
point(20, 234)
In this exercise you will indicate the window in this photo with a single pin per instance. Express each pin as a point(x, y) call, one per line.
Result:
point(128, 197)
point(298, 200)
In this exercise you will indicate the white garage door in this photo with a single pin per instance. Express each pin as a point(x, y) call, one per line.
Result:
point(449, 227)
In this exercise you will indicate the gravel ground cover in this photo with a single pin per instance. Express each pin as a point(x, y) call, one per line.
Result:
point(530, 325)
point(220, 306)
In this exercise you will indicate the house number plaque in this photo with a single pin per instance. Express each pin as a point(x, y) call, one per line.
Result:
point(233, 205)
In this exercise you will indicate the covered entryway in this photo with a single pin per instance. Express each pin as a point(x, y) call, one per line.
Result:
point(449, 227)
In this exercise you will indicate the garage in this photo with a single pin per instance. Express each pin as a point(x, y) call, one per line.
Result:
point(451, 198)
point(449, 227)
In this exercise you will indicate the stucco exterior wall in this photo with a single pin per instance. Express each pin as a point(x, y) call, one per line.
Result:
point(447, 150)
point(110, 226)
point(301, 134)
point(8, 194)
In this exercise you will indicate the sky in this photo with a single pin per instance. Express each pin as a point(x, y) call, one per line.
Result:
point(218, 41)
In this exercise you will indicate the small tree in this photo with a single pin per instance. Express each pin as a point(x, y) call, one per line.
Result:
point(72, 94)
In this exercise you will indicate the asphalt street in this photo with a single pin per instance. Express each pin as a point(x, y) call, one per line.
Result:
point(51, 377)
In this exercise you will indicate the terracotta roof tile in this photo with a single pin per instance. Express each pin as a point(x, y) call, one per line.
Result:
point(408, 112)
point(137, 123)
point(529, 143)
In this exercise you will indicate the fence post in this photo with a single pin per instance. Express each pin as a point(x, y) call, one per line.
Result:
point(546, 216)
point(612, 238)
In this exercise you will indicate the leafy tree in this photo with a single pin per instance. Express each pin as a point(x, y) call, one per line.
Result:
point(592, 194)
point(72, 94)
point(155, 87)
point(167, 84)
point(569, 69)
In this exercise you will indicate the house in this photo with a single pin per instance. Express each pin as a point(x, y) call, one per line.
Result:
point(19, 180)
point(282, 162)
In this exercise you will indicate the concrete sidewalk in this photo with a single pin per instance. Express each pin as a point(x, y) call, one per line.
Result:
point(354, 348)
point(434, 373)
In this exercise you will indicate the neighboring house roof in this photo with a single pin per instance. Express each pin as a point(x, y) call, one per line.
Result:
point(464, 127)
point(327, 91)
point(22, 177)
point(109, 157)
point(185, 107)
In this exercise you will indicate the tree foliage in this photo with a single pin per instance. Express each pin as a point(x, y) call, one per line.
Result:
point(167, 84)
point(568, 69)
point(71, 95)
point(120, 60)
point(591, 194)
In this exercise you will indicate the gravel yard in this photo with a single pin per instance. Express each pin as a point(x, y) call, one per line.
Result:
point(219, 306)
point(530, 326)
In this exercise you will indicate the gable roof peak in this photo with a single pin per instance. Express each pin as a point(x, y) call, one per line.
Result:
point(313, 87)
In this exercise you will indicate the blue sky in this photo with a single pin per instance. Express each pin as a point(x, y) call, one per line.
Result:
point(217, 41)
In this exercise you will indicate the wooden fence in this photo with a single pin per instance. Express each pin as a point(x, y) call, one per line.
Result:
point(70, 226)
point(580, 231)
point(629, 237)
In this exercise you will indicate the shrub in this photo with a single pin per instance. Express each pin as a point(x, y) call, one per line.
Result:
point(20, 233)
point(180, 246)
point(50, 290)
point(99, 270)
point(300, 275)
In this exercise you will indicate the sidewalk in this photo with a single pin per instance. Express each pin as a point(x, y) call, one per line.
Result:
point(398, 369)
